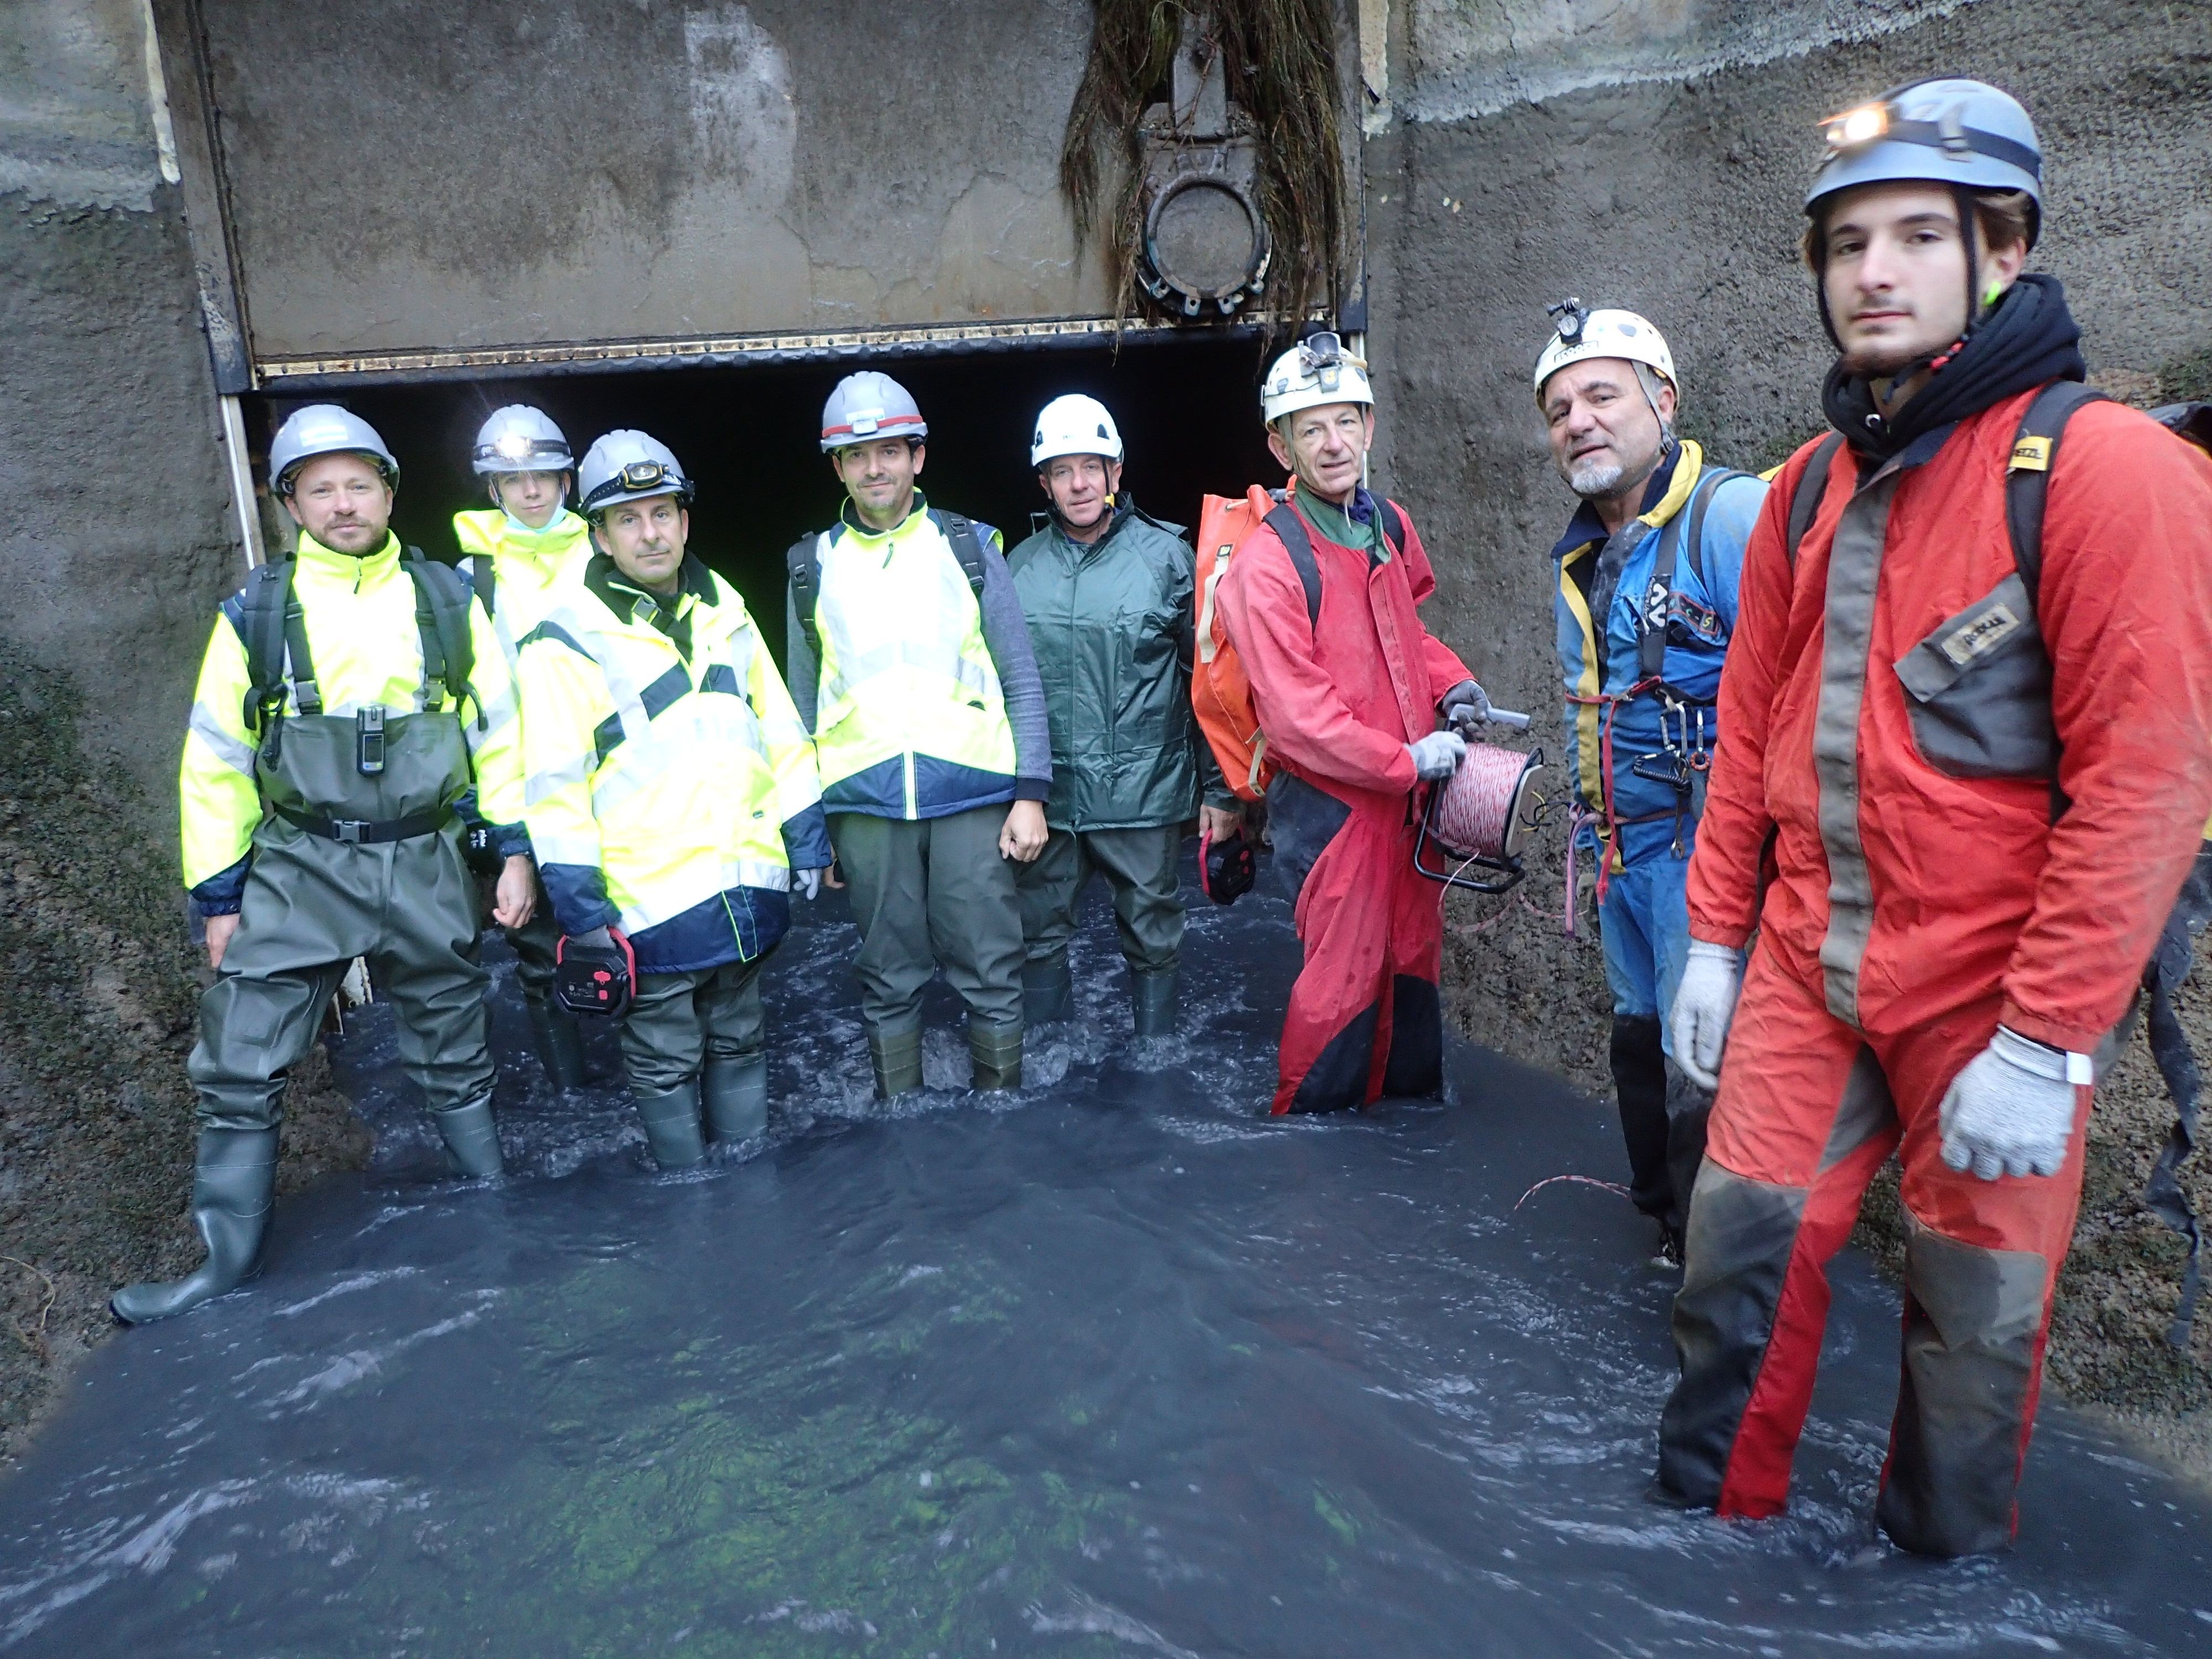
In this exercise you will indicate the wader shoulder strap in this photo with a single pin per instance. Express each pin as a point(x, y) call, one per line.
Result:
point(441, 618)
point(274, 633)
point(1290, 529)
point(2027, 475)
point(804, 560)
point(1812, 485)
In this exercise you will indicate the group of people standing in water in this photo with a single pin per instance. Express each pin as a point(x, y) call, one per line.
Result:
point(1890, 763)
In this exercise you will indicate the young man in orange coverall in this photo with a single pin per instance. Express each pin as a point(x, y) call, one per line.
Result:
point(1349, 700)
point(1982, 773)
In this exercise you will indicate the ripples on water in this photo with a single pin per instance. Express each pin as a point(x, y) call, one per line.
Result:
point(1112, 1366)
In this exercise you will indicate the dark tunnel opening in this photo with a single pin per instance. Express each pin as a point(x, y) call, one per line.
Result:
point(748, 436)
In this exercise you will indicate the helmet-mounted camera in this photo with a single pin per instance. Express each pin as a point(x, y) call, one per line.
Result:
point(1568, 318)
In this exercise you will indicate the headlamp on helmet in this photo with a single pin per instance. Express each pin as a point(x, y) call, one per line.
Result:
point(1568, 318)
point(1857, 126)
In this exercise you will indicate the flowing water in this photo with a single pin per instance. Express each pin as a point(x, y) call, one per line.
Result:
point(1113, 1365)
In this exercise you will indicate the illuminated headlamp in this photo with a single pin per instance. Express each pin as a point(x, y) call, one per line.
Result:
point(515, 453)
point(1857, 126)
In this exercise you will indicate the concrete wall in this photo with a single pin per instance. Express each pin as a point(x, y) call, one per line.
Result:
point(521, 171)
point(1655, 155)
point(115, 541)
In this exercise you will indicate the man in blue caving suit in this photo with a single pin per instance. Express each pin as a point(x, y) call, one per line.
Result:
point(1649, 564)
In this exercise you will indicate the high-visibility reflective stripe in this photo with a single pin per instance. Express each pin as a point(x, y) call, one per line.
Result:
point(642, 914)
point(675, 743)
point(233, 751)
point(542, 785)
point(552, 848)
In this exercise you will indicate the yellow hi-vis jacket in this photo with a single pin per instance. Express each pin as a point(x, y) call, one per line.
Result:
point(910, 721)
point(363, 633)
point(516, 571)
point(671, 789)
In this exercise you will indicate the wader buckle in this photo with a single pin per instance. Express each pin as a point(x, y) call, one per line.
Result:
point(352, 831)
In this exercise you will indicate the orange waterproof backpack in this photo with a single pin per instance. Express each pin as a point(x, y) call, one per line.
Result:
point(1220, 690)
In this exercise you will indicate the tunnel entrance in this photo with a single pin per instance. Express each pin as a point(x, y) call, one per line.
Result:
point(1186, 409)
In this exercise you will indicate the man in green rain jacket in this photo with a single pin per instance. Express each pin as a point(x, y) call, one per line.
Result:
point(1107, 592)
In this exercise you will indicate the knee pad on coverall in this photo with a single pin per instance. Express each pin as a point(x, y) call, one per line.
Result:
point(1808, 1110)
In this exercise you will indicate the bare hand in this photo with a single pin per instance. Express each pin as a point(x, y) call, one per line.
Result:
point(1025, 833)
point(515, 901)
point(832, 880)
point(219, 930)
point(1220, 823)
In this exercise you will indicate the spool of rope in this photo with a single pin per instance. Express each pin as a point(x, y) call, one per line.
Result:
point(1478, 812)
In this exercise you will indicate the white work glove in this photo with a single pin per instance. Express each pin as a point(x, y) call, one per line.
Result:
point(1704, 1002)
point(1437, 756)
point(2011, 1110)
point(810, 884)
point(1465, 708)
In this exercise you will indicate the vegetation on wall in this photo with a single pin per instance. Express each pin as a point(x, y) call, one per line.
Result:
point(1280, 58)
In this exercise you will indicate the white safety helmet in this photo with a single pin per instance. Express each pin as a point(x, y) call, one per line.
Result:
point(1579, 335)
point(870, 405)
point(325, 429)
point(1316, 371)
point(521, 438)
point(1074, 425)
point(629, 466)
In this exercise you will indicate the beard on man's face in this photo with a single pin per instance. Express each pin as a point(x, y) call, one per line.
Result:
point(1598, 475)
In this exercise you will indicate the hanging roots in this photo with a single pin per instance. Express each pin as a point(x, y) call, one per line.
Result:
point(1280, 62)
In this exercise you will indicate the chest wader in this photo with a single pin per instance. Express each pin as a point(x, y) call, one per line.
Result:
point(554, 1034)
point(360, 855)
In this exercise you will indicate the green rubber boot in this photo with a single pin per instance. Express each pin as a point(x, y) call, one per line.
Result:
point(997, 1052)
point(559, 1042)
point(1152, 1001)
point(1047, 988)
point(234, 1185)
point(472, 1139)
point(896, 1059)
point(736, 1093)
point(672, 1127)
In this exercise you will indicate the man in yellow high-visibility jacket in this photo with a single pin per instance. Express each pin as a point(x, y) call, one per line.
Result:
point(516, 552)
point(910, 661)
point(347, 693)
point(672, 795)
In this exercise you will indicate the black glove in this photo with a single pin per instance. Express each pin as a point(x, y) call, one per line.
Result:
point(1466, 707)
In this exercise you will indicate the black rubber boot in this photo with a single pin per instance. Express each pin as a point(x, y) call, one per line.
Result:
point(736, 1094)
point(1047, 990)
point(1153, 1002)
point(897, 1062)
point(672, 1127)
point(234, 1185)
point(472, 1139)
point(997, 1052)
point(559, 1042)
